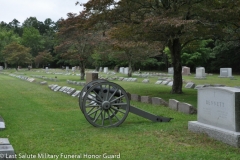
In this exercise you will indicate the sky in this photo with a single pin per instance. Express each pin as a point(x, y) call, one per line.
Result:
point(41, 9)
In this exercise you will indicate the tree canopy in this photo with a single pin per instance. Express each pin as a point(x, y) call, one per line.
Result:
point(136, 33)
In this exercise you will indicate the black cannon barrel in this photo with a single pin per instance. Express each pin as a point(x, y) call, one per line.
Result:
point(105, 90)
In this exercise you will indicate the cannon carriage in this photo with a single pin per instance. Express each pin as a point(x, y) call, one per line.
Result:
point(106, 104)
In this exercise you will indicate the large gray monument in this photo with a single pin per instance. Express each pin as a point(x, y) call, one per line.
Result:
point(218, 114)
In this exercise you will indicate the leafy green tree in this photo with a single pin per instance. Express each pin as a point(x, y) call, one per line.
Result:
point(31, 22)
point(6, 38)
point(17, 54)
point(197, 53)
point(31, 38)
point(226, 55)
point(15, 25)
point(172, 23)
point(43, 58)
point(76, 41)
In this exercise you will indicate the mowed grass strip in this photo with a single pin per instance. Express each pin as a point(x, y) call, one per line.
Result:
point(39, 120)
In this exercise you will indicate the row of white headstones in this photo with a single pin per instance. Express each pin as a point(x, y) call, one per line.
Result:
point(200, 72)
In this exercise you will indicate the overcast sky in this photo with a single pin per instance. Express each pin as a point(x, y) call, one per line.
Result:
point(41, 9)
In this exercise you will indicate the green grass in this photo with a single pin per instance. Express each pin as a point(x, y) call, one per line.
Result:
point(39, 120)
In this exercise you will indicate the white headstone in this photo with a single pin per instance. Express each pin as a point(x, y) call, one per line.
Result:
point(100, 69)
point(219, 114)
point(121, 70)
point(200, 72)
point(67, 68)
point(46, 69)
point(73, 69)
point(105, 69)
point(170, 70)
point(225, 72)
point(1, 68)
point(126, 70)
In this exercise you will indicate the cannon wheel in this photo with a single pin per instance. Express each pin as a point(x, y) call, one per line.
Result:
point(84, 90)
point(105, 104)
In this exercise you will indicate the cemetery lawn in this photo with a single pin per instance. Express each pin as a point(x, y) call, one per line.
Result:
point(39, 121)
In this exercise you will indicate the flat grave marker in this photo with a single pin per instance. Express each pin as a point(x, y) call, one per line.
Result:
point(145, 81)
point(7, 152)
point(76, 93)
point(165, 82)
point(158, 82)
point(134, 80)
point(66, 89)
point(63, 88)
point(57, 88)
point(199, 86)
point(190, 85)
point(54, 86)
point(71, 90)
point(2, 123)
point(170, 83)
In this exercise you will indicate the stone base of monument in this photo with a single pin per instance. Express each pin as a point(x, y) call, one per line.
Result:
point(6, 150)
point(226, 136)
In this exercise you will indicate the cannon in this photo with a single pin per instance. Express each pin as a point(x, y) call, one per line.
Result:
point(106, 104)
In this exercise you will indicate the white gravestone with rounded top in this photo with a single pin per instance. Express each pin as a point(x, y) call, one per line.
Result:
point(200, 72)
point(218, 114)
point(105, 70)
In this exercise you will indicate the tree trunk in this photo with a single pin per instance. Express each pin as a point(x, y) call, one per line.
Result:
point(129, 69)
point(82, 70)
point(175, 48)
point(5, 65)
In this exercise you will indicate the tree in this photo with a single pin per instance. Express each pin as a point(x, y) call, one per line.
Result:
point(17, 54)
point(120, 27)
point(76, 40)
point(31, 22)
point(43, 58)
point(197, 53)
point(172, 23)
point(31, 38)
point(15, 25)
point(6, 37)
